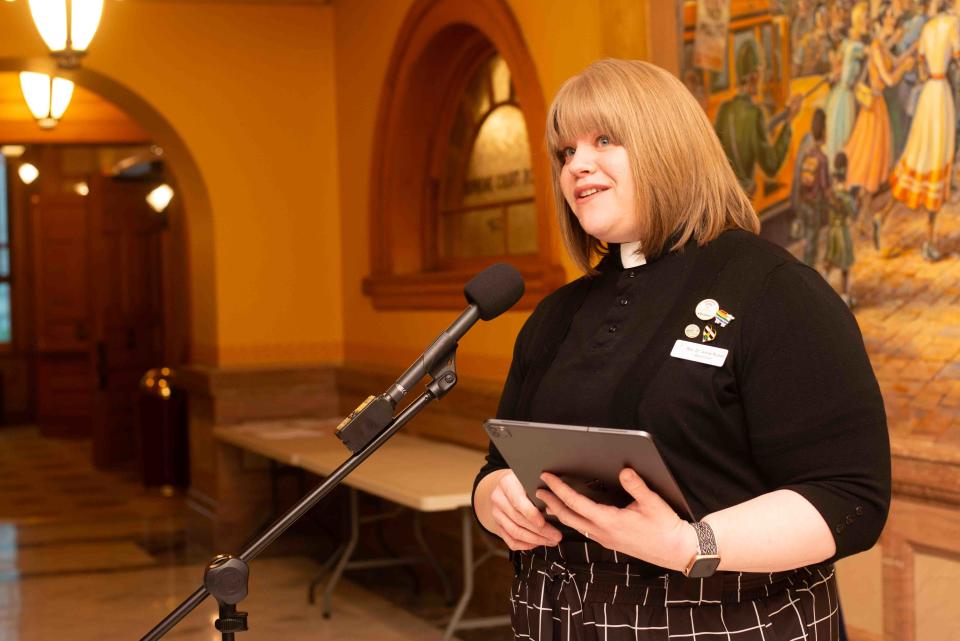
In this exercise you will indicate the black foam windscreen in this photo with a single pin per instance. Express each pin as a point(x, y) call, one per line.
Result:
point(494, 290)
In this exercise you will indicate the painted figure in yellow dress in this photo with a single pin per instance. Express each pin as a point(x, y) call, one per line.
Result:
point(869, 149)
point(921, 178)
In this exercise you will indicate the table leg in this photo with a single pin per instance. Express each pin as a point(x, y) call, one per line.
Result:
point(444, 580)
point(345, 557)
point(469, 567)
point(329, 561)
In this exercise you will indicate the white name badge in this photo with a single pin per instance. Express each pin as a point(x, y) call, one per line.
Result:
point(699, 353)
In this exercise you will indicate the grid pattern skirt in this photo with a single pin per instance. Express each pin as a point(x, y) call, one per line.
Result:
point(576, 592)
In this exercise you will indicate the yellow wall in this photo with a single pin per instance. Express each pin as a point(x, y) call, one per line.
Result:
point(267, 112)
point(241, 95)
point(562, 37)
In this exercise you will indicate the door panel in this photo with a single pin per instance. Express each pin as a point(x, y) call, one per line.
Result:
point(128, 308)
point(62, 312)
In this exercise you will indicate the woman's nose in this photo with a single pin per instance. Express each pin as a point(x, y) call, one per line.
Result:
point(583, 161)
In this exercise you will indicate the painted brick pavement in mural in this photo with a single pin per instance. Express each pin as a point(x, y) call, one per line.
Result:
point(909, 312)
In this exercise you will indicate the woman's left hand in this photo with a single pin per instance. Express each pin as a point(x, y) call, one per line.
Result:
point(647, 529)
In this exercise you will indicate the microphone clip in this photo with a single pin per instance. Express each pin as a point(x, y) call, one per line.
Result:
point(444, 375)
point(375, 414)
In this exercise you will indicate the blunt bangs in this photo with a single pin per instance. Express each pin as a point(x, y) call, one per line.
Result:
point(582, 107)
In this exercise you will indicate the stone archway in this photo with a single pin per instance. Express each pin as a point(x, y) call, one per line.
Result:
point(198, 270)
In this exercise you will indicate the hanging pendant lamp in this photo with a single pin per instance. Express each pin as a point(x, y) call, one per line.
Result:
point(67, 26)
point(47, 96)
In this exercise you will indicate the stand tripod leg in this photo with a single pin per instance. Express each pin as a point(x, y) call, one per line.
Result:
point(345, 557)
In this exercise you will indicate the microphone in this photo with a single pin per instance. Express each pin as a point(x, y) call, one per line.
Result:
point(490, 293)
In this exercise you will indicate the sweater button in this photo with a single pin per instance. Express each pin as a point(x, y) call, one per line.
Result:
point(631, 274)
point(859, 510)
point(624, 301)
point(840, 527)
point(612, 329)
point(849, 520)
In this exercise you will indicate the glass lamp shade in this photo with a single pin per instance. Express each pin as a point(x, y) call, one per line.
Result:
point(28, 173)
point(160, 197)
point(47, 97)
point(67, 26)
point(12, 151)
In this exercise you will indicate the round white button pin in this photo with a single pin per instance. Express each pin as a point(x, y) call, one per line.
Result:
point(707, 309)
point(692, 331)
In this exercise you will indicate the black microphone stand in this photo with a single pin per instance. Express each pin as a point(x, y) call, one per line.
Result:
point(226, 576)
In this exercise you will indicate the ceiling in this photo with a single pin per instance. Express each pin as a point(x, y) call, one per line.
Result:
point(267, 2)
point(90, 118)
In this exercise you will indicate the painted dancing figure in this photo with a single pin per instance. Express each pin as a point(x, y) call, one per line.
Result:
point(921, 178)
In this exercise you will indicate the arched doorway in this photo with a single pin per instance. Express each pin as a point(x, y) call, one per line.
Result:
point(104, 286)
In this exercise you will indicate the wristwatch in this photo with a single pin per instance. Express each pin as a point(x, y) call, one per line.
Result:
point(704, 563)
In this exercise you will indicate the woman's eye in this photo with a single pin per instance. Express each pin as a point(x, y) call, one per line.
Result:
point(603, 141)
point(567, 153)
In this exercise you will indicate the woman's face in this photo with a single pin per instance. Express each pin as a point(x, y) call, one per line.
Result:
point(597, 183)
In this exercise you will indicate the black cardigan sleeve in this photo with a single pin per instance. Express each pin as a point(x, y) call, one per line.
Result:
point(813, 407)
point(509, 406)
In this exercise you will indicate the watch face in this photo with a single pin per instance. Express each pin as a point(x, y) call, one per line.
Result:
point(703, 567)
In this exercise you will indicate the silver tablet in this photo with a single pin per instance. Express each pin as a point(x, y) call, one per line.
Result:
point(589, 459)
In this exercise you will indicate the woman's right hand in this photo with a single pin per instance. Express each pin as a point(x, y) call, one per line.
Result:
point(515, 519)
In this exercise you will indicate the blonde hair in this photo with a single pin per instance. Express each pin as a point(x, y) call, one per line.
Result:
point(685, 185)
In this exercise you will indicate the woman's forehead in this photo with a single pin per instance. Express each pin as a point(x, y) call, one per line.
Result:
point(572, 123)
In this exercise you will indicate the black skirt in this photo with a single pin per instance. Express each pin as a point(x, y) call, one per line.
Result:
point(582, 591)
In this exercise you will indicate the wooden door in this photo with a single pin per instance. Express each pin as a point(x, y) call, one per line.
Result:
point(126, 284)
point(62, 312)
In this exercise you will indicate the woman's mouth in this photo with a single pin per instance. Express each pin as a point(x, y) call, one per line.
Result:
point(586, 193)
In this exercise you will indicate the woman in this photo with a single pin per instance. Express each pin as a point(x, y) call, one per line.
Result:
point(781, 451)
point(841, 107)
point(921, 177)
point(870, 148)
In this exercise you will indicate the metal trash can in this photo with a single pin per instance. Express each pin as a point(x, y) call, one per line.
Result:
point(161, 427)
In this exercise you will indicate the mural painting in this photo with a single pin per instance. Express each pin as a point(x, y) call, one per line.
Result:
point(838, 111)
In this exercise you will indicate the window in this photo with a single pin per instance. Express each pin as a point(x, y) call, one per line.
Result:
point(5, 312)
point(459, 178)
point(487, 204)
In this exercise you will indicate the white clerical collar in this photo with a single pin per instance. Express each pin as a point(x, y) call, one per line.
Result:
point(629, 256)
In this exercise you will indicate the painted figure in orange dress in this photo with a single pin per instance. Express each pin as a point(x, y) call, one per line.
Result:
point(869, 149)
point(921, 178)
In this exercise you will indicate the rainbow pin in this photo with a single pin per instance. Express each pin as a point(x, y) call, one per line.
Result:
point(722, 318)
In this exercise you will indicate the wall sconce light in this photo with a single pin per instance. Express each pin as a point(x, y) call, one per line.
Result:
point(81, 188)
point(67, 27)
point(12, 151)
point(28, 173)
point(47, 96)
point(160, 197)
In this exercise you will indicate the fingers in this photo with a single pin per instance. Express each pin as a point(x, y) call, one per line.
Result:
point(567, 516)
point(521, 525)
point(573, 499)
point(517, 496)
point(517, 537)
point(634, 485)
point(647, 500)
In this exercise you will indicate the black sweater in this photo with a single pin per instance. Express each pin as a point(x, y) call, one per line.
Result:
point(795, 404)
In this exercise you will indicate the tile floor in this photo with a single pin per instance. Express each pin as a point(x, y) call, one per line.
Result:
point(91, 555)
